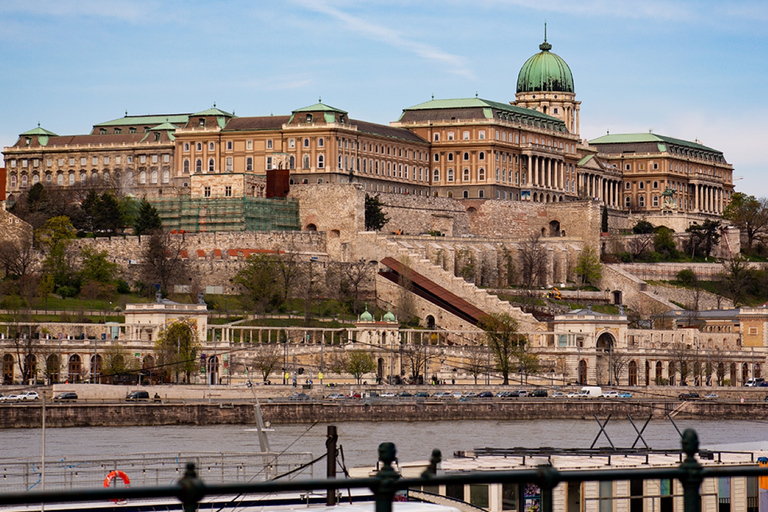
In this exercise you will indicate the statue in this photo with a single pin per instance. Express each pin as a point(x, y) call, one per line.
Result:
point(200, 297)
point(668, 202)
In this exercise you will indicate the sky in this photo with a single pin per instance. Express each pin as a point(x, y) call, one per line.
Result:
point(690, 69)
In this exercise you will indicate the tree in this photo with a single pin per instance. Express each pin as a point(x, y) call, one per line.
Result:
point(639, 244)
point(106, 214)
point(267, 358)
point(16, 257)
point(359, 363)
point(588, 266)
point(750, 215)
point(96, 266)
point(118, 362)
point(476, 361)
point(664, 242)
point(177, 349)
point(533, 261)
point(619, 363)
point(147, 219)
point(704, 237)
point(642, 227)
point(604, 219)
point(375, 217)
point(349, 280)
point(260, 279)
point(162, 261)
point(415, 357)
point(738, 281)
point(55, 231)
point(507, 344)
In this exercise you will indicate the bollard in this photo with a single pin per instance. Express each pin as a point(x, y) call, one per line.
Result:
point(692, 479)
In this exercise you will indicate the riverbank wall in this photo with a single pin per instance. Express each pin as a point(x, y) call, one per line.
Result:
point(152, 414)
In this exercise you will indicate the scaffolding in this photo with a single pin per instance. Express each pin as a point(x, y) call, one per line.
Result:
point(228, 214)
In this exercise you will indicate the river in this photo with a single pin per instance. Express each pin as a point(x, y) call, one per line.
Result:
point(414, 440)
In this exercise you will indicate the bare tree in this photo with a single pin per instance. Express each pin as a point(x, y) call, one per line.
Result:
point(415, 357)
point(619, 363)
point(533, 260)
point(638, 244)
point(162, 261)
point(267, 358)
point(476, 361)
point(348, 281)
point(680, 354)
point(16, 257)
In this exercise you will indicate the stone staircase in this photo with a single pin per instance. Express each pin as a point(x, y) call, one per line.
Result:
point(376, 247)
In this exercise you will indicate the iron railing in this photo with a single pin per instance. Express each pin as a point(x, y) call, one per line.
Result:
point(190, 489)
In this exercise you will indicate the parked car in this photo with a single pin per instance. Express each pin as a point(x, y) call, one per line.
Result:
point(442, 394)
point(299, 396)
point(388, 394)
point(67, 396)
point(485, 394)
point(573, 394)
point(688, 396)
point(404, 394)
point(625, 394)
point(469, 394)
point(711, 396)
point(421, 394)
point(351, 395)
point(138, 396)
point(754, 382)
point(557, 394)
point(336, 396)
point(611, 394)
point(27, 396)
point(539, 393)
point(521, 393)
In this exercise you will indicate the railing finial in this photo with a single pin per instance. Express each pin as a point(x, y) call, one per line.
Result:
point(434, 460)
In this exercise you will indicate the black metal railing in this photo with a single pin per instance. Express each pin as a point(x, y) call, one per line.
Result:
point(190, 489)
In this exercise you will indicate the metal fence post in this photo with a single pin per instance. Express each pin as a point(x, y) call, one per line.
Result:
point(384, 491)
point(549, 479)
point(191, 488)
point(692, 479)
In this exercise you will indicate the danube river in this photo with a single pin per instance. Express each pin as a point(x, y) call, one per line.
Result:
point(359, 440)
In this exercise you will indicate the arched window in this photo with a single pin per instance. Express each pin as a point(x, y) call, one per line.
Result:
point(186, 166)
point(481, 156)
point(481, 174)
point(481, 194)
point(35, 179)
point(466, 155)
point(291, 162)
point(211, 165)
point(153, 177)
point(641, 201)
point(450, 157)
point(450, 175)
point(24, 181)
point(59, 179)
point(142, 178)
point(436, 175)
point(465, 175)
point(71, 178)
point(320, 161)
point(465, 194)
point(186, 146)
point(198, 165)
point(166, 176)
point(199, 146)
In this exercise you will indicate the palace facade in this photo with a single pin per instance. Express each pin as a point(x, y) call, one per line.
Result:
point(468, 148)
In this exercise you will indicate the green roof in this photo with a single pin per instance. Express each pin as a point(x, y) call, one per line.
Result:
point(629, 138)
point(320, 107)
point(545, 71)
point(453, 103)
point(164, 126)
point(149, 120)
point(584, 160)
point(39, 131)
point(213, 112)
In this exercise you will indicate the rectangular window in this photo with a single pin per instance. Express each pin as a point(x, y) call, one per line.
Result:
point(166, 158)
point(82, 161)
point(60, 161)
point(249, 144)
point(269, 143)
point(229, 145)
point(229, 164)
point(129, 159)
point(207, 191)
point(292, 143)
point(95, 160)
point(269, 163)
point(106, 160)
point(228, 191)
point(465, 135)
point(154, 159)
point(249, 163)
point(143, 159)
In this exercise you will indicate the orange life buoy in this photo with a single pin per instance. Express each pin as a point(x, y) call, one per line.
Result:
point(115, 474)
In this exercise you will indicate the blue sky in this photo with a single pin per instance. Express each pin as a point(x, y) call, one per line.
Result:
point(686, 69)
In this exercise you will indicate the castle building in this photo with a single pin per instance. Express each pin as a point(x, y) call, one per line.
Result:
point(467, 148)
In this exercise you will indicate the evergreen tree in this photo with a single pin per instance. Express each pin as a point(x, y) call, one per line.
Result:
point(106, 214)
point(147, 219)
point(375, 218)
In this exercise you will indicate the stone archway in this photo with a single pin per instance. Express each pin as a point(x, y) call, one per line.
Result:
point(604, 355)
point(52, 368)
point(554, 228)
point(8, 369)
point(582, 372)
point(74, 368)
point(632, 378)
point(430, 322)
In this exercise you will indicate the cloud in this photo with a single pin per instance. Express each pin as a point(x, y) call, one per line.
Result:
point(456, 63)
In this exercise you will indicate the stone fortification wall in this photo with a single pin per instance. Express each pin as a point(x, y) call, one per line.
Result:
point(687, 297)
point(729, 243)
point(519, 219)
point(419, 214)
point(669, 271)
point(13, 229)
point(336, 209)
point(490, 218)
point(634, 291)
point(214, 258)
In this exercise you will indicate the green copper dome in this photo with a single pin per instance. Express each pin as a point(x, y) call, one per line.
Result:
point(546, 72)
point(366, 316)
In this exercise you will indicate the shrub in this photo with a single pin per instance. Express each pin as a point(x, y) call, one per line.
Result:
point(122, 287)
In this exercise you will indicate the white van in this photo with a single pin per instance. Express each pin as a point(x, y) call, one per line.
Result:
point(754, 382)
point(591, 392)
